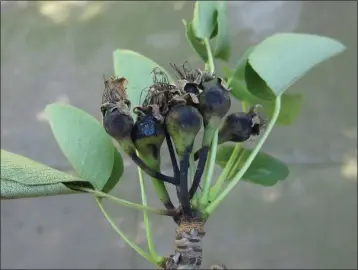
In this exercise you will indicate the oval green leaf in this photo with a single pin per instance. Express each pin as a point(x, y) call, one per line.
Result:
point(137, 69)
point(265, 170)
point(239, 70)
point(22, 177)
point(280, 60)
point(222, 42)
point(215, 32)
point(205, 18)
point(116, 174)
point(290, 103)
point(84, 142)
point(196, 43)
point(256, 85)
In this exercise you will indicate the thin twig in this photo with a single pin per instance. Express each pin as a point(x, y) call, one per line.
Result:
point(98, 193)
point(139, 250)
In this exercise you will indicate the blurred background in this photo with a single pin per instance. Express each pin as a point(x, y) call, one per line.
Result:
point(57, 52)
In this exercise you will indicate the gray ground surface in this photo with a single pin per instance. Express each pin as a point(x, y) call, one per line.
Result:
point(57, 52)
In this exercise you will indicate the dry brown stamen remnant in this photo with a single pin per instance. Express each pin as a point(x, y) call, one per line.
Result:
point(115, 89)
point(186, 73)
point(161, 92)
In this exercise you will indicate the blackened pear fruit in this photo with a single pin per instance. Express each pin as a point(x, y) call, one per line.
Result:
point(240, 126)
point(214, 103)
point(118, 123)
point(148, 136)
point(148, 132)
point(237, 127)
point(183, 123)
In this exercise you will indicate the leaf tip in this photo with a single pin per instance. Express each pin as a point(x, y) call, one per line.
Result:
point(340, 46)
point(125, 51)
point(49, 109)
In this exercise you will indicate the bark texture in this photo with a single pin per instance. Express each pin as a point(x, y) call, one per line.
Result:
point(188, 245)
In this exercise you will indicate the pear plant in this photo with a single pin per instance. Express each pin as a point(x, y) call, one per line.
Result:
point(174, 111)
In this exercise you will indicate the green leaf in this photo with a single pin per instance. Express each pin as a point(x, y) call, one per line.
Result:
point(265, 170)
point(222, 44)
point(256, 85)
point(116, 174)
point(210, 20)
point(84, 142)
point(205, 16)
point(215, 32)
point(196, 43)
point(239, 70)
point(280, 60)
point(137, 69)
point(22, 177)
point(290, 103)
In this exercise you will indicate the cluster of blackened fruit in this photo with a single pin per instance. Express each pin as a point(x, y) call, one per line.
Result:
point(176, 113)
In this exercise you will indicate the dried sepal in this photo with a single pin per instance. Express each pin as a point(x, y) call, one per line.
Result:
point(185, 99)
point(188, 79)
point(152, 110)
point(115, 90)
